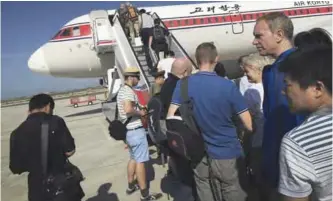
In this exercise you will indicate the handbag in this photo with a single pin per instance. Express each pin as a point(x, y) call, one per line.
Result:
point(117, 129)
point(64, 186)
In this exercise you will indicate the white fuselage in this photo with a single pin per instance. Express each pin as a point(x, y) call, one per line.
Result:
point(228, 24)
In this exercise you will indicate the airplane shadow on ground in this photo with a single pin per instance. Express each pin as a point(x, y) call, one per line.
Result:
point(94, 111)
point(103, 194)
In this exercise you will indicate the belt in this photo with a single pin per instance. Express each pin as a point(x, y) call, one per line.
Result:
point(135, 128)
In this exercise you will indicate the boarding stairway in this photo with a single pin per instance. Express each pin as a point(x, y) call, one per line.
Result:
point(110, 39)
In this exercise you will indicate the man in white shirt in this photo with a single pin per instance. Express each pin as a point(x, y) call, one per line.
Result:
point(166, 64)
point(146, 22)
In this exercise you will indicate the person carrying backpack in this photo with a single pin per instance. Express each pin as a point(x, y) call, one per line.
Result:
point(207, 103)
point(133, 21)
point(157, 39)
point(122, 11)
point(41, 146)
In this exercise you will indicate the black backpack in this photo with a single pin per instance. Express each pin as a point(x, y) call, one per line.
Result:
point(158, 34)
point(184, 136)
point(154, 127)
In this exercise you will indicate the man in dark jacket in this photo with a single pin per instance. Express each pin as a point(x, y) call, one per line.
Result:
point(25, 147)
point(273, 36)
point(181, 67)
point(178, 166)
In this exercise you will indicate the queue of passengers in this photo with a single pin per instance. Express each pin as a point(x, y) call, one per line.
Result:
point(266, 136)
point(141, 25)
point(284, 95)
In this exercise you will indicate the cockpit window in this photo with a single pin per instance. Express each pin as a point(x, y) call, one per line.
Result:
point(55, 36)
point(76, 31)
point(66, 32)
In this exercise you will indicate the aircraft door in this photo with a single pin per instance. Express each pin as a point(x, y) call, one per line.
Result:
point(102, 31)
point(236, 21)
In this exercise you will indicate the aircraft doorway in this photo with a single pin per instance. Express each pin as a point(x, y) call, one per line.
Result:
point(236, 22)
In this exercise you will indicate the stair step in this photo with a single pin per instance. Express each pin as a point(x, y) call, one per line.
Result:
point(141, 57)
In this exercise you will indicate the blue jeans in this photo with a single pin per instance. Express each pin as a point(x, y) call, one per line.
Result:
point(138, 145)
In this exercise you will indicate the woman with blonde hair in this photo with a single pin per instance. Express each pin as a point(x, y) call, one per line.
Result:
point(253, 66)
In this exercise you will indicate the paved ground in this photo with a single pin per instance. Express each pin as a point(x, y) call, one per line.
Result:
point(102, 160)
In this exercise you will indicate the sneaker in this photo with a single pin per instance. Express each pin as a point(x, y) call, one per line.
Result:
point(154, 196)
point(130, 191)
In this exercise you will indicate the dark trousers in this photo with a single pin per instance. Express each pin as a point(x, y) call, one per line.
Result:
point(184, 172)
point(163, 47)
point(145, 34)
point(148, 58)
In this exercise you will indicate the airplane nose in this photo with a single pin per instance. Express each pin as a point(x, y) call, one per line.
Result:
point(37, 62)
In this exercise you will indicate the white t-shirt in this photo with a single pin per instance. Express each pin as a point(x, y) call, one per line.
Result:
point(147, 21)
point(126, 93)
point(306, 158)
point(166, 64)
point(244, 84)
point(254, 96)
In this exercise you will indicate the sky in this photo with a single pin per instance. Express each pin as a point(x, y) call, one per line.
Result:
point(25, 26)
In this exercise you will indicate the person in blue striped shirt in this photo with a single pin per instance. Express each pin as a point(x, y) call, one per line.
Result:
point(306, 151)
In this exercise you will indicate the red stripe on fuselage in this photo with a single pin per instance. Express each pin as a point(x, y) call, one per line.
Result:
point(220, 19)
point(248, 16)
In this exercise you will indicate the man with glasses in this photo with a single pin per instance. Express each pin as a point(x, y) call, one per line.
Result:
point(136, 139)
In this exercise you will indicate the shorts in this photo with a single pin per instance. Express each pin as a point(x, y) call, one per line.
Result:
point(138, 145)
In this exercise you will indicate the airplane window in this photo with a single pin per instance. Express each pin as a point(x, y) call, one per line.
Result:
point(66, 32)
point(85, 30)
point(55, 36)
point(76, 31)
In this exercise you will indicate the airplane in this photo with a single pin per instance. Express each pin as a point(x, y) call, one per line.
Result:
point(229, 25)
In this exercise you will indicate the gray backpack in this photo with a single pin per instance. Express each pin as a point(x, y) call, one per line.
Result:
point(158, 34)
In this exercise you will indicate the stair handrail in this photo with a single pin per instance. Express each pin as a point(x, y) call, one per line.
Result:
point(176, 41)
point(116, 17)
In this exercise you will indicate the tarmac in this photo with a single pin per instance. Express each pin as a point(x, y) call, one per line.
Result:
point(102, 160)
